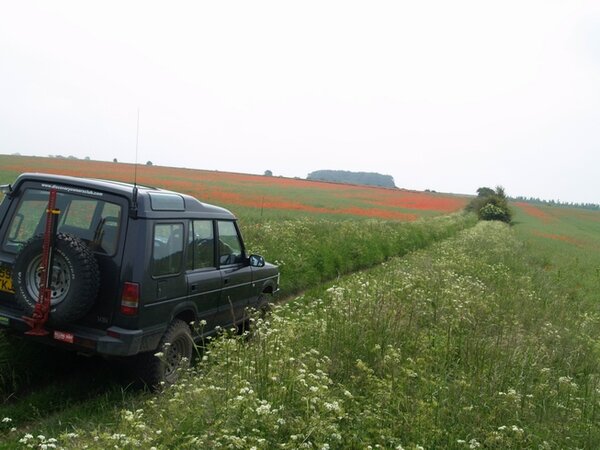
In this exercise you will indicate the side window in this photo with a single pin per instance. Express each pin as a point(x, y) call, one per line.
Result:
point(201, 249)
point(167, 254)
point(230, 245)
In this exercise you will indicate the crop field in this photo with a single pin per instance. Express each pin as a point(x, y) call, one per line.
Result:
point(254, 195)
point(400, 334)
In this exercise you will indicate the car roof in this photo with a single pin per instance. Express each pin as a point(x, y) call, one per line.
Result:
point(145, 200)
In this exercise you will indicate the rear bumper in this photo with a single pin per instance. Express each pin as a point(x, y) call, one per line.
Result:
point(114, 341)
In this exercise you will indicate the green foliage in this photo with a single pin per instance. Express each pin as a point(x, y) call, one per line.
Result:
point(485, 192)
point(491, 205)
point(492, 212)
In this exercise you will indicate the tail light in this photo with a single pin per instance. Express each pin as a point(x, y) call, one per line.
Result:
point(130, 298)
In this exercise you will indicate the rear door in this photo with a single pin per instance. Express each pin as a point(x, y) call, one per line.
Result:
point(236, 272)
point(165, 287)
point(203, 277)
point(95, 217)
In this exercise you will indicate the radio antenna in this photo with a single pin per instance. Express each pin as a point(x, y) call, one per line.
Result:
point(134, 205)
point(137, 138)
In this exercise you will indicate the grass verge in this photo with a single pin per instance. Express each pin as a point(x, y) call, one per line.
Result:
point(464, 345)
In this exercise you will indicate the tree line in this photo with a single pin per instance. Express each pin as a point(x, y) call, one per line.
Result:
point(537, 201)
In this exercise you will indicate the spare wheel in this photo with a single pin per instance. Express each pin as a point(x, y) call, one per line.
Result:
point(75, 278)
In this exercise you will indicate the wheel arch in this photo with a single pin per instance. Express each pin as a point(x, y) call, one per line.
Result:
point(268, 287)
point(186, 312)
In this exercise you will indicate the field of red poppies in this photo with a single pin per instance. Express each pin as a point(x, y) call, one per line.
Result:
point(575, 227)
point(253, 194)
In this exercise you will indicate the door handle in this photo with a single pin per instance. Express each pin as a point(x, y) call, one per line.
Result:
point(194, 287)
point(225, 280)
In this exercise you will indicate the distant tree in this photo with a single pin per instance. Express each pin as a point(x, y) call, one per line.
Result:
point(148, 163)
point(485, 192)
point(268, 173)
point(344, 176)
point(16, 154)
point(491, 204)
point(71, 157)
point(115, 160)
point(87, 158)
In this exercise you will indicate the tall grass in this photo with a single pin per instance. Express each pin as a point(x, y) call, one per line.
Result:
point(464, 345)
point(311, 251)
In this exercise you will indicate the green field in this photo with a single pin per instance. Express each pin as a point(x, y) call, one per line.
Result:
point(440, 333)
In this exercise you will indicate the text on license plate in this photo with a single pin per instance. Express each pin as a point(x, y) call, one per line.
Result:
point(64, 337)
point(6, 280)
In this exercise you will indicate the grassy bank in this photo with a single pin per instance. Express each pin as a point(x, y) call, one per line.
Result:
point(472, 343)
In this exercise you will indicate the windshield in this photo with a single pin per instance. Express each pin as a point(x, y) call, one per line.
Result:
point(94, 221)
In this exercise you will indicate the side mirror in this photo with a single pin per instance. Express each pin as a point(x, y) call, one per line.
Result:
point(5, 191)
point(257, 261)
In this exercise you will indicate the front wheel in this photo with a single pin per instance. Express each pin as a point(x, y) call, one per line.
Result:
point(174, 354)
point(260, 310)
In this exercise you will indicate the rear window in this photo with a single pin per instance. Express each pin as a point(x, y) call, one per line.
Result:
point(96, 222)
point(167, 253)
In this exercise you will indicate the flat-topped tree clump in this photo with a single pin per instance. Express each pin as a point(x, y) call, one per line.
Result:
point(344, 176)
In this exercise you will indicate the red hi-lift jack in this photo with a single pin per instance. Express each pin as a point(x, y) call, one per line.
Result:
point(42, 307)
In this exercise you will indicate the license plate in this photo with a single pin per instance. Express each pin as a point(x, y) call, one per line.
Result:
point(64, 337)
point(6, 280)
point(4, 321)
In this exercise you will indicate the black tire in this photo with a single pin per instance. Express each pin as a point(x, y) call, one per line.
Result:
point(75, 278)
point(260, 310)
point(176, 346)
point(263, 305)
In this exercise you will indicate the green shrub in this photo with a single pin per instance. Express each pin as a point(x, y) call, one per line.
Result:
point(490, 205)
point(492, 212)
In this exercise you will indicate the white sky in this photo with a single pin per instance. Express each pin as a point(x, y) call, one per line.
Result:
point(444, 95)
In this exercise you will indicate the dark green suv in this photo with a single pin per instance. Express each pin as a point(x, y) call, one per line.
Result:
point(133, 267)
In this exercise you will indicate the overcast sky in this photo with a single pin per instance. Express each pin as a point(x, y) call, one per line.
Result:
point(444, 95)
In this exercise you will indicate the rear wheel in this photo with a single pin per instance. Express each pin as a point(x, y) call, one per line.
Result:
point(174, 355)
